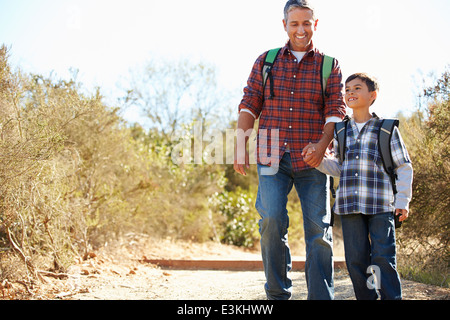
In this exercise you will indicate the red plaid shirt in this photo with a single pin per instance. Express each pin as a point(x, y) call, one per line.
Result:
point(297, 110)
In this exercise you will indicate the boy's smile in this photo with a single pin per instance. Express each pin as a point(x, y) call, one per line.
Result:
point(358, 96)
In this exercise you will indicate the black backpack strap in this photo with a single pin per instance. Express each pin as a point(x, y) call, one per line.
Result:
point(340, 130)
point(267, 69)
point(384, 147)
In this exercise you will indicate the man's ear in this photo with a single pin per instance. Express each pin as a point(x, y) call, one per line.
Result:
point(315, 24)
point(285, 26)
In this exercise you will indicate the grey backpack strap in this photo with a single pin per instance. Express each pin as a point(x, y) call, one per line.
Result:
point(384, 146)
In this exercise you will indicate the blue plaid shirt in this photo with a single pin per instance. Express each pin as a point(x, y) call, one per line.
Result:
point(364, 186)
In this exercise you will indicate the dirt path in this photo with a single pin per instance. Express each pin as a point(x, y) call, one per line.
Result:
point(118, 273)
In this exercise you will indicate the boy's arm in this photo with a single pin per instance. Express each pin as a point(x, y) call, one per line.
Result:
point(404, 189)
point(404, 171)
point(330, 167)
point(329, 164)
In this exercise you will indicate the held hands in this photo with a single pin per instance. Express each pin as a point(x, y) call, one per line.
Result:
point(313, 154)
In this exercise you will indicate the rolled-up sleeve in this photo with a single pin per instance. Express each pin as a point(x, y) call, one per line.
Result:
point(334, 94)
point(252, 100)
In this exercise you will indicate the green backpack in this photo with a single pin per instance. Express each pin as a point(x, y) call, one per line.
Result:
point(271, 56)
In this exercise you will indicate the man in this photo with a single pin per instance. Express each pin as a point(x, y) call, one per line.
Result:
point(298, 115)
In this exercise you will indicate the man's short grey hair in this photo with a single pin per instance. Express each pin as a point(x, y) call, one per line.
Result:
point(293, 4)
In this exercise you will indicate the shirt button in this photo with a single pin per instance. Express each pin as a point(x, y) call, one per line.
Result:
point(285, 143)
point(290, 109)
point(356, 192)
point(292, 92)
point(295, 76)
point(290, 127)
point(356, 174)
point(357, 157)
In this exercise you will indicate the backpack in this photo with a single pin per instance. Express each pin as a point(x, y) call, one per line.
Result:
point(384, 144)
point(327, 65)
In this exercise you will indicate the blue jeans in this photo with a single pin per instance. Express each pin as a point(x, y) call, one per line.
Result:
point(369, 242)
point(273, 190)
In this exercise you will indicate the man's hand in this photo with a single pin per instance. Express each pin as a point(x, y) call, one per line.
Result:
point(244, 130)
point(241, 161)
point(313, 154)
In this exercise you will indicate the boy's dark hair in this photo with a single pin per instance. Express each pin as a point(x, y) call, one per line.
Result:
point(370, 81)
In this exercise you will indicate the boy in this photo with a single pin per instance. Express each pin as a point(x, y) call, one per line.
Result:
point(365, 199)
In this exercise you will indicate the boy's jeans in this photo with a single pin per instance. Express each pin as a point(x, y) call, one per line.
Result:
point(378, 254)
point(273, 190)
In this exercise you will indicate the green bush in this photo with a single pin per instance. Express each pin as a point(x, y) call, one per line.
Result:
point(240, 218)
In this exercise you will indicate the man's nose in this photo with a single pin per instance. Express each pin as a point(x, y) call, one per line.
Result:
point(301, 30)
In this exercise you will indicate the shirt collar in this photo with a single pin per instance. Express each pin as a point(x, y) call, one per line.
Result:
point(286, 49)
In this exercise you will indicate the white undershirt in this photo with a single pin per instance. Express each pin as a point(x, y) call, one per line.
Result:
point(360, 125)
point(299, 55)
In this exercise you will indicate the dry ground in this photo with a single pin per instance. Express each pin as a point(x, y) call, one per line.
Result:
point(117, 272)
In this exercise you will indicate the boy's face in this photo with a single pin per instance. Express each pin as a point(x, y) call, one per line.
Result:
point(358, 96)
point(300, 27)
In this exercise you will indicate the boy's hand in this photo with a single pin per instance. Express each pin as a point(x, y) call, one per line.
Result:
point(403, 214)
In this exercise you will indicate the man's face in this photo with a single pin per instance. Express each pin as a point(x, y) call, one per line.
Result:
point(300, 27)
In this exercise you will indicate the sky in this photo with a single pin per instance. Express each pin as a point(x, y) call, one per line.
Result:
point(397, 41)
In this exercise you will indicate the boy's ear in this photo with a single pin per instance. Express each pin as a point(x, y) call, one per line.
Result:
point(374, 95)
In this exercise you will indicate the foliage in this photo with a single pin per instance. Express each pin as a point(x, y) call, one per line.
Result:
point(175, 93)
point(74, 176)
point(424, 239)
point(240, 223)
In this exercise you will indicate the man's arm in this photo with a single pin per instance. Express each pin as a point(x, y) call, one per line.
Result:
point(317, 150)
point(245, 125)
point(334, 109)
